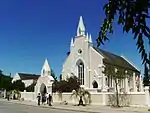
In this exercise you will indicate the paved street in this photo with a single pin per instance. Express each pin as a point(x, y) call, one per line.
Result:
point(14, 106)
point(6, 107)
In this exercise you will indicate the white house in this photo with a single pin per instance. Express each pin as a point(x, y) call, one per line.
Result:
point(86, 61)
point(27, 79)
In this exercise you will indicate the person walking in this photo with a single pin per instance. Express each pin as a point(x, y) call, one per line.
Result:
point(39, 98)
point(50, 100)
point(47, 96)
point(8, 96)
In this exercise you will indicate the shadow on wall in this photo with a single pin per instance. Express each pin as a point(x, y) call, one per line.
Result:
point(124, 100)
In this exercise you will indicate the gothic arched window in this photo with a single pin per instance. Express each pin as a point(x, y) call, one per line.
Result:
point(81, 72)
point(95, 84)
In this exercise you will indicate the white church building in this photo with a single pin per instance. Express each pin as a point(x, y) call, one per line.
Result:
point(87, 63)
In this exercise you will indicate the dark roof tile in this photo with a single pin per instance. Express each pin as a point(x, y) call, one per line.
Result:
point(115, 60)
point(25, 76)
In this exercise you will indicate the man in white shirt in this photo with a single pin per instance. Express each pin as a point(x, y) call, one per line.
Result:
point(47, 96)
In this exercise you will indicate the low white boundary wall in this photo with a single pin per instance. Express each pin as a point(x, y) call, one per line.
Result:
point(135, 99)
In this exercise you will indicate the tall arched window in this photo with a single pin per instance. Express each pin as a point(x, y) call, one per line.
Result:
point(81, 72)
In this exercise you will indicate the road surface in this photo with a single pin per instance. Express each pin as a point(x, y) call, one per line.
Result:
point(8, 107)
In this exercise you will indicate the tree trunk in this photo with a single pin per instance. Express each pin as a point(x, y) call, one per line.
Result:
point(117, 95)
point(80, 101)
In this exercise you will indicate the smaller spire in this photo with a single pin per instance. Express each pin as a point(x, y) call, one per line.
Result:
point(90, 39)
point(46, 69)
point(87, 36)
point(71, 44)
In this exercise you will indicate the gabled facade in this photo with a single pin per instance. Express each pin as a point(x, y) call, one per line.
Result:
point(44, 82)
point(26, 78)
point(87, 61)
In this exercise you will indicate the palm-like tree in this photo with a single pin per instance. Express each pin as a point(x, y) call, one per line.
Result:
point(82, 94)
point(16, 94)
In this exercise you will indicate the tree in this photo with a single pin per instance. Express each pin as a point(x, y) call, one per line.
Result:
point(60, 77)
point(5, 82)
point(117, 74)
point(1, 72)
point(53, 75)
point(70, 84)
point(82, 93)
point(68, 53)
point(146, 79)
point(18, 85)
point(132, 15)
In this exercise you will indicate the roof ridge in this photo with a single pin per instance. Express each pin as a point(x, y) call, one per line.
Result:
point(27, 73)
point(107, 51)
point(130, 62)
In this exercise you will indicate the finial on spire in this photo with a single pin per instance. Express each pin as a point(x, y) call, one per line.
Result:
point(90, 39)
point(46, 71)
point(81, 27)
point(71, 44)
point(87, 36)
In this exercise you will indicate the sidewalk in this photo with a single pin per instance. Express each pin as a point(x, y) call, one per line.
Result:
point(90, 108)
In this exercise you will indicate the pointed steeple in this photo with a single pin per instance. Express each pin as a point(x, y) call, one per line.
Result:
point(90, 39)
point(71, 44)
point(46, 71)
point(87, 37)
point(81, 27)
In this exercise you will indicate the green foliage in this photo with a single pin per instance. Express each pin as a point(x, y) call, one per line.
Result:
point(18, 85)
point(146, 79)
point(5, 82)
point(1, 72)
point(53, 75)
point(110, 72)
point(72, 83)
point(132, 16)
point(68, 53)
point(60, 77)
point(82, 94)
point(117, 74)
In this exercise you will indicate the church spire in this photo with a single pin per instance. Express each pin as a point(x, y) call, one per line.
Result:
point(46, 71)
point(71, 44)
point(87, 36)
point(90, 39)
point(81, 27)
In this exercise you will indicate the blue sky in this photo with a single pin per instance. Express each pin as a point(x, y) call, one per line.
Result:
point(32, 30)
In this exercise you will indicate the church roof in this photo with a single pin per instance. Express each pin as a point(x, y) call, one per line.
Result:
point(25, 76)
point(116, 60)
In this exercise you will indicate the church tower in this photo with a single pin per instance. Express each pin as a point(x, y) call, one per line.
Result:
point(46, 71)
point(81, 27)
point(82, 32)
